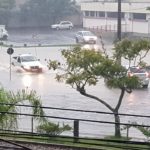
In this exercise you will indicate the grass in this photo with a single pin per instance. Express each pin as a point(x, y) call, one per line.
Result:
point(108, 143)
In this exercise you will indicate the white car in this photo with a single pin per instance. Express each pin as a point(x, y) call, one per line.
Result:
point(28, 62)
point(85, 37)
point(63, 25)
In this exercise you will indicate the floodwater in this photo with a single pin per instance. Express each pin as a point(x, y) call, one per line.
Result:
point(54, 94)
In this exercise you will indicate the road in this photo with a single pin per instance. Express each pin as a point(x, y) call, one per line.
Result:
point(56, 94)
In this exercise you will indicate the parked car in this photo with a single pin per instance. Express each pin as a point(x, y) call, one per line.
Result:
point(85, 37)
point(27, 62)
point(141, 73)
point(63, 25)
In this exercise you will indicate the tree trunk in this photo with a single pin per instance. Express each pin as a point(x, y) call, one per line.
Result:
point(117, 125)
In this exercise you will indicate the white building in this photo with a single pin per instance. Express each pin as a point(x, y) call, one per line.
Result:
point(103, 14)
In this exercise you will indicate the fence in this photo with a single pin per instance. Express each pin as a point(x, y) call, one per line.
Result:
point(79, 123)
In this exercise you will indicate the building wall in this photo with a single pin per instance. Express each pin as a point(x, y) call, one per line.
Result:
point(135, 16)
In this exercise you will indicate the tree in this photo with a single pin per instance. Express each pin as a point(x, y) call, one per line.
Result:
point(9, 100)
point(47, 10)
point(6, 7)
point(85, 67)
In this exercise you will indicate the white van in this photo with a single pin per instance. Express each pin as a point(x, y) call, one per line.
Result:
point(3, 33)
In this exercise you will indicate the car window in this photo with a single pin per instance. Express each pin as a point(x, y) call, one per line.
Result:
point(79, 33)
point(28, 58)
point(65, 23)
point(137, 70)
point(87, 33)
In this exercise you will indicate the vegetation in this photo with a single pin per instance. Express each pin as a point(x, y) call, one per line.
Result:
point(38, 12)
point(9, 99)
point(83, 68)
point(9, 110)
point(6, 7)
point(145, 130)
point(52, 128)
point(47, 10)
point(105, 144)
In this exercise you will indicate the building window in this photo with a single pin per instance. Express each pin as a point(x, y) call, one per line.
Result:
point(87, 13)
point(139, 16)
point(92, 13)
point(114, 15)
point(100, 14)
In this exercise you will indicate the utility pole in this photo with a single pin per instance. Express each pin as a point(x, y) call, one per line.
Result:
point(119, 29)
point(119, 21)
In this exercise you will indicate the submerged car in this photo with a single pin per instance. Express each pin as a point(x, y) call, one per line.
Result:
point(85, 37)
point(62, 25)
point(28, 62)
point(141, 73)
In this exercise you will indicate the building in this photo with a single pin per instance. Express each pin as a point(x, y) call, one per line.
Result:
point(103, 15)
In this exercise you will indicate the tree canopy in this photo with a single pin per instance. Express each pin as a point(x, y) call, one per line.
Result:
point(44, 10)
point(5, 10)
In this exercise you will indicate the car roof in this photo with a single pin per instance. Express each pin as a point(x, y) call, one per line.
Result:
point(25, 55)
point(66, 21)
point(84, 31)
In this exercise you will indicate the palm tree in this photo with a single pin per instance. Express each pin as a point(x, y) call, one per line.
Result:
point(8, 109)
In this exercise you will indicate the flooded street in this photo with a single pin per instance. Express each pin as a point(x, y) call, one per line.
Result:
point(54, 94)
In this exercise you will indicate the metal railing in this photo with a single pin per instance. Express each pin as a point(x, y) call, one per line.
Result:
point(77, 122)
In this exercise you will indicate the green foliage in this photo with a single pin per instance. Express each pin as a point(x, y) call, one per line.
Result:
point(83, 68)
point(132, 50)
point(86, 67)
point(5, 10)
point(8, 121)
point(47, 10)
point(7, 4)
point(52, 128)
point(144, 130)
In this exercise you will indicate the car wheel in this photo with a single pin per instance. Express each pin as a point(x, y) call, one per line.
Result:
point(145, 86)
point(57, 28)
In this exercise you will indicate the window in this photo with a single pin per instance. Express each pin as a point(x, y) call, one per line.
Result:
point(114, 15)
point(100, 14)
point(139, 16)
point(92, 13)
point(87, 14)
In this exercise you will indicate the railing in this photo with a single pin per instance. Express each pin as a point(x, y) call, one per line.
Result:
point(78, 120)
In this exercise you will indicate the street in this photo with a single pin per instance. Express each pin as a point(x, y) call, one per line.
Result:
point(54, 94)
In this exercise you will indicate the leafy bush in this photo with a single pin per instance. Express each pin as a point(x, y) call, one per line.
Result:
point(52, 128)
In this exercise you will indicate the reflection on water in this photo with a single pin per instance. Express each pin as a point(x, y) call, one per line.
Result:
point(91, 46)
point(131, 99)
point(27, 80)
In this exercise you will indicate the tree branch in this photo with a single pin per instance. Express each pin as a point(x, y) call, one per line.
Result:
point(82, 92)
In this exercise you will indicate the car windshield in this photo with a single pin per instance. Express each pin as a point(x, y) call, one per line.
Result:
point(28, 58)
point(137, 70)
point(87, 34)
